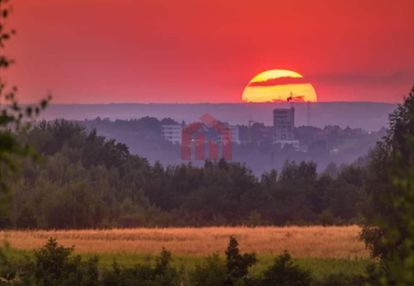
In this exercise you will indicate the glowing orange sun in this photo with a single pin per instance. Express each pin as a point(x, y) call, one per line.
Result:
point(279, 85)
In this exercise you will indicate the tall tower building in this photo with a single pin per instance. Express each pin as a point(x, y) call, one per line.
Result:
point(283, 124)
point(283, 127)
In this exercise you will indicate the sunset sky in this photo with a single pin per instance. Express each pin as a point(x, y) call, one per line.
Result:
point(100, 51)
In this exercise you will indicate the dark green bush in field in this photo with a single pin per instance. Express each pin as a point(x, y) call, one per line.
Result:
point(237, 264)
point(161, 274)
point(341, 280)
point(284, 272)
point(52, 264)
point(210, 273)
point(55, 265)
point(11, 269)
point(233, 271)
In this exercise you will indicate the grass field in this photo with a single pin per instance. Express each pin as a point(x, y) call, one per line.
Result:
point(323, 250)
point(319, 267)
point(303, 242)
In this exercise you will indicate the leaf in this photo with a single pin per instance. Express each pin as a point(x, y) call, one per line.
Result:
point(29, 111)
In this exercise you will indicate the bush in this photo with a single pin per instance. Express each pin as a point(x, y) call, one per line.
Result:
point(233, 271)
point(238, 264)
point(210, 273)
point(55, 265)
point(162, 274)
point(284, 273)
point(11, 269)
point(342, 280)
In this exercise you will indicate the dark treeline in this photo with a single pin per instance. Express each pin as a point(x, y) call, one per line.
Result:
point(94, 182)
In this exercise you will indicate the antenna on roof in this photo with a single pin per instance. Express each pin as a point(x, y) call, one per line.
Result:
point(290, 99)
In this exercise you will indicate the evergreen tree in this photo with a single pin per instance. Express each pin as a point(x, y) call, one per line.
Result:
point(238, 264)
point(389, 226)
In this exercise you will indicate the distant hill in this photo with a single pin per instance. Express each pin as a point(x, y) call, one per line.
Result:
point(365, 115)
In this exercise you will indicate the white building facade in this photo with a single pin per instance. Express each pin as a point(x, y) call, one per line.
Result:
point(172, 132)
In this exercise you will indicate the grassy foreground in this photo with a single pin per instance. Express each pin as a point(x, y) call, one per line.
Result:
point(322, 250)
point(319, 267)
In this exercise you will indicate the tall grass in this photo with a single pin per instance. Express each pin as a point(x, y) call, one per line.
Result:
point(302, 242)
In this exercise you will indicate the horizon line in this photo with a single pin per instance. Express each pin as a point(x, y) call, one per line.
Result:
point(206, 103)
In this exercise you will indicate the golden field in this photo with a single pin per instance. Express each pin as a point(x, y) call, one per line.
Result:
point(312, 241)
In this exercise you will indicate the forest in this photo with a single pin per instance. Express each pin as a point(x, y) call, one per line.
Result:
point(94, 182)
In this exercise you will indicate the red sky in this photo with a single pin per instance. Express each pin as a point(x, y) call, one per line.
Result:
point(99, 51)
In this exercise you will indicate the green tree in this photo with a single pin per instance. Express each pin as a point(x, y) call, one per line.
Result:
point(284, 272)
point(238, 264)
point(55, 265)
point(13, 117)
point(389, 226)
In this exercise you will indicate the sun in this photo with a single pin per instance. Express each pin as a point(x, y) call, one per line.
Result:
point(279, 85)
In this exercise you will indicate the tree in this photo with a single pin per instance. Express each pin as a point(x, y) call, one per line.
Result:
point(284, 272)
point(238, 264)
point(13, 117)
point(389, 226)
point(56, 265)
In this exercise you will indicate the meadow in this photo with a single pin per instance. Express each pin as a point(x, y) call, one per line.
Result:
point(302, 242)
point(323, 250)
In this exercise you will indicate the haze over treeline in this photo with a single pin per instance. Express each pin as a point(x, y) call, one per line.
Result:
point(338, 132)
point(324, 146)
point(365, 115)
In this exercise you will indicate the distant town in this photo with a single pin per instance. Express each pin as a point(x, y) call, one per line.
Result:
point(258, 146)
point(282, 133)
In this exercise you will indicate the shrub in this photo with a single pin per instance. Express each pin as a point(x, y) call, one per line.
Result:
point(233, 271)
point(161, 274)
point(55, 265)
point(284, 273)
point(238, 264)
point(210, 273)
point(342, 280)
point(11, 269)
